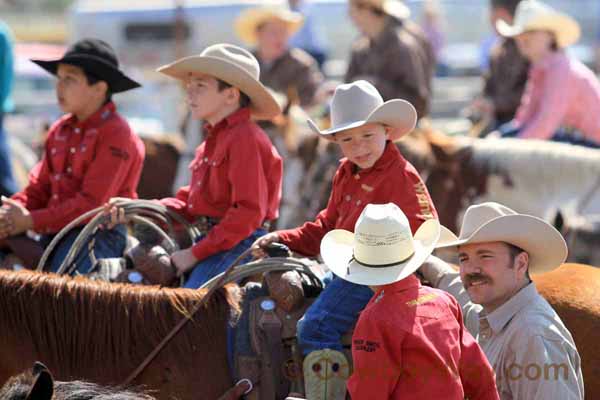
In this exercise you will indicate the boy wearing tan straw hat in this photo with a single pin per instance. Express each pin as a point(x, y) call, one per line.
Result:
point(560, 90)
point(409, 341)
point(532, 351)
point(393, 53)
point(90, 140)
point(374, 171)
point(235, 187)
point(268, 29)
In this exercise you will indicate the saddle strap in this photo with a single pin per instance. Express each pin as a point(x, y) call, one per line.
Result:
point(272, 356)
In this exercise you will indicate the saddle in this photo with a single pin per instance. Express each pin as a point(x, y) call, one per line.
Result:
point(266, 349)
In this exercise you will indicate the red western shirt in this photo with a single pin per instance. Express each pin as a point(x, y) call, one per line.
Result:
point(236, 177)
point(391, 179)
point(85, 163)
point(410, 343)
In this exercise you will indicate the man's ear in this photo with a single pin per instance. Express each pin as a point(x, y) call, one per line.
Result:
point(102, 87)
point(522, 262)
point(233, 95)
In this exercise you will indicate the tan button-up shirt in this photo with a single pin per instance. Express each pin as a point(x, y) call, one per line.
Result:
point(532, 352)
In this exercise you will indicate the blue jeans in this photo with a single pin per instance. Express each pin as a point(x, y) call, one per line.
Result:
point(8, 186)
point(334, 312)
point(563, 135)
point(108, 244)
point(212, 266)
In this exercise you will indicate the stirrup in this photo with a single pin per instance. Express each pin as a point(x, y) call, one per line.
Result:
point(325, 374)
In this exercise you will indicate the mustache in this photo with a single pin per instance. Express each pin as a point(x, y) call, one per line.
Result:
point(470, 278)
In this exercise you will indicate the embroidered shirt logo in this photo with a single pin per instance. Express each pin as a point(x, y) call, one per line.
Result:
point(421, 299)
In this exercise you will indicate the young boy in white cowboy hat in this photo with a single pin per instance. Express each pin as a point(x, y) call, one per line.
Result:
point(409, 341)
point(533, 353)
point(236, 174)
point(82, 147)
point(268, 29)
point(374, 171)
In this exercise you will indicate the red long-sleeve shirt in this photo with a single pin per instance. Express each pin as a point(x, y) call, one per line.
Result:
point(391, 179)
point(85, 163)
point(410, 343)
point(236, 177)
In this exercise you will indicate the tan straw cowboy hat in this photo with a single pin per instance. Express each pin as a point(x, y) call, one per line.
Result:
point(493, 222)
point(393, 8)
point(359, 103)
point(533, 15)
point(247, 23)
point(382, 250)
point(233, 65)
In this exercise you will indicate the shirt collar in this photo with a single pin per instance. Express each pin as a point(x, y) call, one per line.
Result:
point(96, 118)
point(390, 155)
point(410, 281)
point(240, 115)
point(501, 316)
point(546, 62)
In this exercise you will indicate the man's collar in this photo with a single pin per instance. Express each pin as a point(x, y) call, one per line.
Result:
point(390, 154)
point(96, 118)
point(501, 316)
point(240, 115)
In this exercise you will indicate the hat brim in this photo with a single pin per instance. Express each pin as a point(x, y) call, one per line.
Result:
point(115, 78)
point(396, 9)
point(263, 104)
point(337, 252)
point(565, 28)
point(545, 245)
point(398, 114)
point(249, 21)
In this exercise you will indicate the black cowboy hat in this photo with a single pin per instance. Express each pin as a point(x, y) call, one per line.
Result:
point(97, 58)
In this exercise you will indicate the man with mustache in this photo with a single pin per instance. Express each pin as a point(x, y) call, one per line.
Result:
point(532, 352)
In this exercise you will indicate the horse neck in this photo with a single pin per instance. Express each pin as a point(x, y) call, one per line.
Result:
point(83, 329)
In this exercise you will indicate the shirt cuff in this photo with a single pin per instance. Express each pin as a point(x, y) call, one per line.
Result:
point(201, 250)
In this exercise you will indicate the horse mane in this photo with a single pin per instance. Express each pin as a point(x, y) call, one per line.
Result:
point(77, 326)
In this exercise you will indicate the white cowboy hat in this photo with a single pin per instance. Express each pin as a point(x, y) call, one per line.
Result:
point(359, 103)
point(247, 23)
point(393, 8)
point(493, 222)
point(382, 250)
point(233, 65)
point(533, 15)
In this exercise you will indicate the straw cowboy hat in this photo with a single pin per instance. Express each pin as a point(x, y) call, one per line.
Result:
point(493, 222)
point(382, 250)
point(533, 15)
point(233, 65)
point(97, 58)
point(393, 8)
point(247, 23)
point(359, 103)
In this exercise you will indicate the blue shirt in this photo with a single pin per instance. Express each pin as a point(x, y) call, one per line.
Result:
point(307, 38)
point(6, 68)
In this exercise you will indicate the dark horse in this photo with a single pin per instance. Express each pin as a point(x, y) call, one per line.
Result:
point(96, 331)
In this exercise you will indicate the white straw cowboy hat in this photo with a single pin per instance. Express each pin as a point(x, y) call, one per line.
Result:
point(247, 23)
point(382, 250)
point(393, 8)
point(533, 15)
point(493, 222)
point(359, 103)
point(233, 65)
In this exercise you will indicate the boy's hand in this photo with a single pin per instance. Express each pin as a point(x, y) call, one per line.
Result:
point(14, 218)
point(116, 214)
point(263, 241)
point(183, 260)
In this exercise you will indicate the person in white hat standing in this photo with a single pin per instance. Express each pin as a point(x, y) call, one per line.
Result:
point(268, 29)
point(392, 52)
point(235, 187)
point(533, 353)
point(409, 341)
point(560, 90)
point(374, 171)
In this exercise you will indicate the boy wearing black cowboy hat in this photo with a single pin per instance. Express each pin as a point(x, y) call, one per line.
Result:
point(90, 155)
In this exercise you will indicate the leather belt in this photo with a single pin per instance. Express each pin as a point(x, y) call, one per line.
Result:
point(204, 224)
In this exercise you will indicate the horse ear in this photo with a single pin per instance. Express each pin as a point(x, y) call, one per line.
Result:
point(43, 386)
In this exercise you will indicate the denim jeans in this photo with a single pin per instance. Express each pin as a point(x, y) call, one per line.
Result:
point(563, 135)
point(108, 244)
point(8, 185)
point(212, 266)
point(334, 312)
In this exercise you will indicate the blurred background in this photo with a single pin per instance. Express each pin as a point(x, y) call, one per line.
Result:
point(149, 33)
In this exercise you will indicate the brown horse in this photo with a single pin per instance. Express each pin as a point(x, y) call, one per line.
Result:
point(100, 332)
